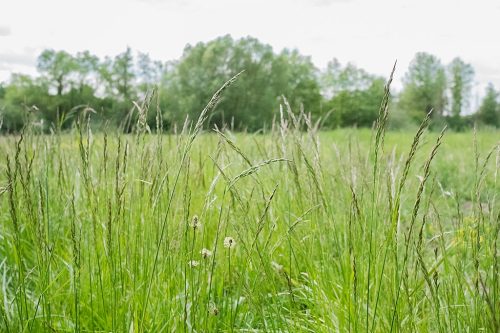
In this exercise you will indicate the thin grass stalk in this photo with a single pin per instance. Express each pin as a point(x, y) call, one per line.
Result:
point(414, 217)
point(379, 146)
point(198, 127)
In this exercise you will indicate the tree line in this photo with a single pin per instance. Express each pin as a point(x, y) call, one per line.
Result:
point(340, 95)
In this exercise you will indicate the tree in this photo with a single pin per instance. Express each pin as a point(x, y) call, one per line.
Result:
point(86, 67)
point(123, 74)
point(354, 94)
point(202, 69)
point(461, 76)
point(71, 77)
point(424, 87)
point(489, 111)
point(25, 99)
point(241, 107)
point(252, 101)
point(298, 82)
point(57, 67)
point(105, 76)
point(348, 78)
point(2, 90)
point(149, 72)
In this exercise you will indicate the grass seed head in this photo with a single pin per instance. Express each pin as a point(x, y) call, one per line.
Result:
point(195, 223)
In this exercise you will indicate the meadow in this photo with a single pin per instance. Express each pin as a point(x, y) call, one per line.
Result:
point(292, 230)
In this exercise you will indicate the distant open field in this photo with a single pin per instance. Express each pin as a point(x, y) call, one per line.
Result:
point(297, 231)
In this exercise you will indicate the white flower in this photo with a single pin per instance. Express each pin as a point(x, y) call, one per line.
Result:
point(193, 263)
point(229, 242)
point(205, 253)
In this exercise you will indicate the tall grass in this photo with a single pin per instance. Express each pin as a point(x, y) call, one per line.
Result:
point(293, 230)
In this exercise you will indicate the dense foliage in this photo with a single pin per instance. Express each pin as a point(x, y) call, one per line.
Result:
point(339, 96)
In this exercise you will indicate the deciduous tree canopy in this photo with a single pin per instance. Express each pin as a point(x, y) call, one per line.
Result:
point(340, 95)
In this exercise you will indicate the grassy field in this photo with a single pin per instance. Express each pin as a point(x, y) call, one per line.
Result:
point(293, 230)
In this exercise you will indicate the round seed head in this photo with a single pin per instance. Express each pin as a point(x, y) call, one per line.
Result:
point(229, 242)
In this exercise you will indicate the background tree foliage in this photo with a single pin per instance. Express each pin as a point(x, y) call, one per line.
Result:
point(354, 95)
point(461, 79)
point(252, 101)
point(489, 111)
point(340, 95)
point(424, 87)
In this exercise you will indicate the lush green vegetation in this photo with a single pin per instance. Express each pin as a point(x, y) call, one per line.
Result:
point(338, 96)
point(292, 230)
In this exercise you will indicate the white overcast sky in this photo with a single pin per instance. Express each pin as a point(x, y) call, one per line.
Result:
point(371, 34)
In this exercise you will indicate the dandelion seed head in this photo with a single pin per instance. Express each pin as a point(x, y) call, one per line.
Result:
point(205, 253)
point(193, 263)
point(229, 242)
point(212, 309)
